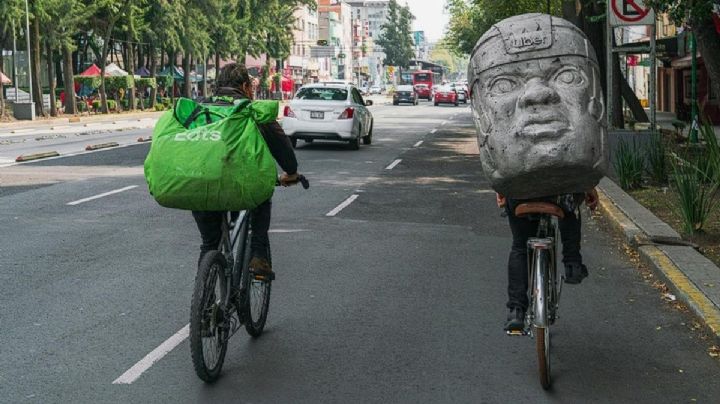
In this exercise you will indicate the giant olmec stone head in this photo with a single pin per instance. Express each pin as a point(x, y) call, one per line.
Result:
point(538, 107)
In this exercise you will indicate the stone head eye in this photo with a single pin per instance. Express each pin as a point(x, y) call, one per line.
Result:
point(502, 85)
point(569, 77)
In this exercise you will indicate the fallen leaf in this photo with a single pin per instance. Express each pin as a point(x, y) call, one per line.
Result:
point(714, 351)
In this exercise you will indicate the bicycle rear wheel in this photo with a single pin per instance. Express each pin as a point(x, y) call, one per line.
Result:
point(208, 324)
point(542, 346)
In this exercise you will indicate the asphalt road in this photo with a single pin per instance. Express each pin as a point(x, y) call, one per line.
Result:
point(399, 297)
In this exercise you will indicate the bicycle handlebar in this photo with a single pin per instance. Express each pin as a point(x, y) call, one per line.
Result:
point(301, 179)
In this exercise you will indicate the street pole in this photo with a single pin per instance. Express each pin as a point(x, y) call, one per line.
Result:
point(693, 88)
point(27, 40)
point(14, 72)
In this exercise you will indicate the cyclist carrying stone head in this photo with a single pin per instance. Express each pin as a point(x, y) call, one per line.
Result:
point(538, 110)
point(234, 83)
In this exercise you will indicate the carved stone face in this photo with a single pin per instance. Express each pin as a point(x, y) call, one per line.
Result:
point(538, 112)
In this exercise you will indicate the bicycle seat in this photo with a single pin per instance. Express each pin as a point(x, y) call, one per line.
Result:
point(529, 208)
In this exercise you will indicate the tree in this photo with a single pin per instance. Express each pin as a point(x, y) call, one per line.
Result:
point(696, 15)
point(10, 13)
point(396, 38)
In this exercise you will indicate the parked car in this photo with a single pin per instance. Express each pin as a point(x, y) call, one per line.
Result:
point(423, 91)
point(462, 91)
point(446, 95)
point(405, 93)
point(375, 90)
point(328, 112)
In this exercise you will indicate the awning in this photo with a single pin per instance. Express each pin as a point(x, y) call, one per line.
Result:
point(685, 62)
point(91, 71)
point(142, 72)
point(114, 70)
point(4, 79)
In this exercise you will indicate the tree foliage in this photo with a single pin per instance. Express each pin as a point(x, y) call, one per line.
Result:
point(396, 38)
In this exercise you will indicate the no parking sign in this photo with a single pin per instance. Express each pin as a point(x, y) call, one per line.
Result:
point(630, 12)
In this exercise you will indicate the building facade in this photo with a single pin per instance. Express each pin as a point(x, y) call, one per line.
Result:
point(372, 15)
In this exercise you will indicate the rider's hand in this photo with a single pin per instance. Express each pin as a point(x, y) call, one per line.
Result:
point(500, 200)
point(591, 199)
point(288, 179)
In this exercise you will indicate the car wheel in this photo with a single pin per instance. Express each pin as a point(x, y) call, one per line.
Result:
point(293, 141)
point(368, 138)
point(456, 103)
point(436, 104)
point(396, 103)
point(355, 144)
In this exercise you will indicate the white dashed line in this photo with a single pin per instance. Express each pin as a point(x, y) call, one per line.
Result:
point(79, 201)
point(393, 164)
point(343, 205)
point(158, 353)
point(418, 144)
point(433, 131)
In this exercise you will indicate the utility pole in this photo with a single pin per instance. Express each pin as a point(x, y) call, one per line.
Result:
point(27, 40)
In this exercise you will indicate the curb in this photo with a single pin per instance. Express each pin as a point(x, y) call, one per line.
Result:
point(145, 139)
point(101, 146)
point(36, 156)
point(666, 261)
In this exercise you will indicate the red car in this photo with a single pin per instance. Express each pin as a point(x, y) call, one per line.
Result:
point(446, 95)
point(423, 91)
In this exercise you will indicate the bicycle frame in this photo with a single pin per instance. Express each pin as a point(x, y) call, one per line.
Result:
point(232, 246)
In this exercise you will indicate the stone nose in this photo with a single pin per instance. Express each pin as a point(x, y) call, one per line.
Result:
point(537, 92)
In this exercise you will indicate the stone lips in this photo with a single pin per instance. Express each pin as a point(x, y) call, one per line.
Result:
point(528, 36)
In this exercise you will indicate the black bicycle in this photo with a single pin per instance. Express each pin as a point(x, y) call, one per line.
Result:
point(227, 295)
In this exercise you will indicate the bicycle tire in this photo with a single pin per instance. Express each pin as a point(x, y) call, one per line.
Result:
point(542, 346)
point(207, 318)
point(257, 295)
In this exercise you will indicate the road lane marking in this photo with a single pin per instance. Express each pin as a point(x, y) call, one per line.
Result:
point(433, 131)
point(393, 164)
point(418, 144)
point(79, 201)
point(443, 123)
point(158, 353)
point(343, 205)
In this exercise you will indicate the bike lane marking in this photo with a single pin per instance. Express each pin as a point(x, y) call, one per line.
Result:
point(117, 191)
point(342, 206)
point(158, 353)
point(393, 164)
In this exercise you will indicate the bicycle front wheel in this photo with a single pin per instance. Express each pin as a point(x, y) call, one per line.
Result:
point(208, 324)
point(257, 296)
point(542, 300)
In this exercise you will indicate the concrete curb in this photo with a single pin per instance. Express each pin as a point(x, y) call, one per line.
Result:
point(693, 278)
point(36, 156)
point(101, 146)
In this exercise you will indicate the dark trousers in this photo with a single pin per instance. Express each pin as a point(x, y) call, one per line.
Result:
point(209, 224)
point(522, 229)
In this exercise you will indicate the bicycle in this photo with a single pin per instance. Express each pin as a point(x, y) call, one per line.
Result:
point(227, 295)
point(544, 284)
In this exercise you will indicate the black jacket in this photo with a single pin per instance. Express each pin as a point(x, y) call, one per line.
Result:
point(274, 135)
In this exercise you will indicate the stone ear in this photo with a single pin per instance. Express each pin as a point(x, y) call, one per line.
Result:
point(596, 108)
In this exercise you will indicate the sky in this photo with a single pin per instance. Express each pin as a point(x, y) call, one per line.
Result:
point(430, 16)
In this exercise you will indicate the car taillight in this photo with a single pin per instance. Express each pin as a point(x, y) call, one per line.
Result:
point(347, 114)
point(288, 112)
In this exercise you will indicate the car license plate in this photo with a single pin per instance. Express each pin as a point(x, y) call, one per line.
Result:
point(317, 115)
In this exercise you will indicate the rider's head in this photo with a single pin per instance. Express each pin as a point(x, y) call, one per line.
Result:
point(235, 75)
point(536, 97)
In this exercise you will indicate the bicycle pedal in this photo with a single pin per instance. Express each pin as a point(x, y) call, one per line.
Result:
point(263, 277)
point(516, 333)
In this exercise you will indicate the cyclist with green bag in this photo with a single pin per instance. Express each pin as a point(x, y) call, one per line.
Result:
point(233, 85)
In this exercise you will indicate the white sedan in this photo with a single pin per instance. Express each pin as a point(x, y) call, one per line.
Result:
point(328, 112)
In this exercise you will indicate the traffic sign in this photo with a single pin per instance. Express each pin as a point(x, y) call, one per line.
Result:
point(630, 12)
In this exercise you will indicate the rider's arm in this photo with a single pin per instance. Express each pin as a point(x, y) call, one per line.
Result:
point(280, 146)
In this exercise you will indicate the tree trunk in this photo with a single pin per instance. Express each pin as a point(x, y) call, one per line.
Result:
point(2, 93)
point(37, 85)
point(708, 42)
point(70, 106)
point(171, 59)
point(217, 67)
point(153, 91)
point(103, 59)
point(187, 92)
point(131, 70)
point(51, 78)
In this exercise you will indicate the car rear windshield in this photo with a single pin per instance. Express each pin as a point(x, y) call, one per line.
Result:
point(322, 93)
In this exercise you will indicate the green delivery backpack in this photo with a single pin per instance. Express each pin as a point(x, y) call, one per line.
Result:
point(210, 157)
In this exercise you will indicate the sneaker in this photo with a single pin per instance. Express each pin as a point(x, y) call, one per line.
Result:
point(515, 321)
point(575, 273)
point(261, 266)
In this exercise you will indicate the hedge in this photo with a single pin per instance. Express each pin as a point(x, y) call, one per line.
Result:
point(146, 82)
point(88, 81)
point(165, 81)
point(115, 83)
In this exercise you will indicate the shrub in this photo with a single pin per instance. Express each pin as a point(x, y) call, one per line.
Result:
point(629, 165)
point(657, 158)
point(159, 107)
point(145, 82)
point(88, 81)
point(697, 200)
point(165, 81)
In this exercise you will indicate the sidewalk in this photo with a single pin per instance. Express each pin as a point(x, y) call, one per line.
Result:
point(47, 123)
point(692, 278)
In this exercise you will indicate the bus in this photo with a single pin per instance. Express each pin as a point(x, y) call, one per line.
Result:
point(425, 77)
